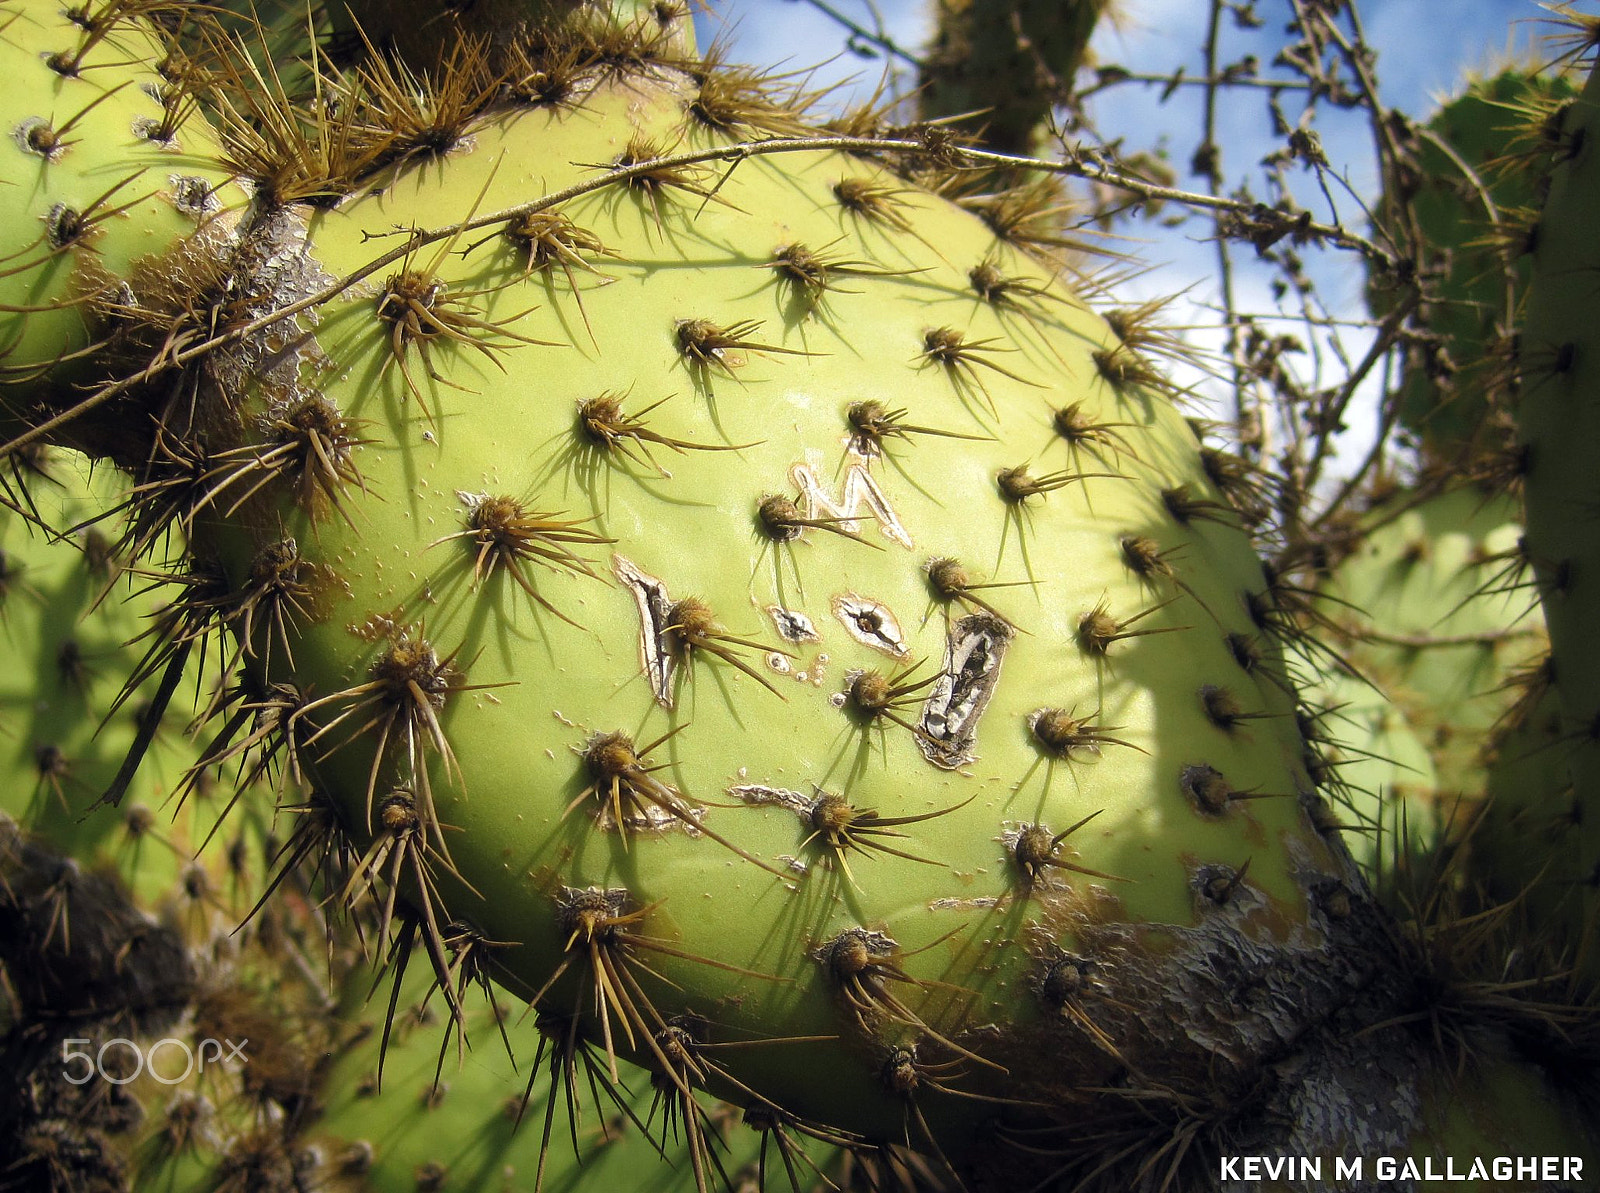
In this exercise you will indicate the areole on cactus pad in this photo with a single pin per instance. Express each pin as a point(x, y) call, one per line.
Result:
point(748, 605)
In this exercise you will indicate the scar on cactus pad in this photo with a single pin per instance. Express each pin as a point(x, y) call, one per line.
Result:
point(486, 632)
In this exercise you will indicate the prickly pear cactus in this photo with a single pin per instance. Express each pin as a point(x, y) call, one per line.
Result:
point(74, 691)
point(1556, 421)
point(1477, 724)
point(125, 955)
point(397, 1115)
point(744, 606)
point(1480, 166)
point(1435, 640)
point(106, 166)
point(1529, 849)
point(806, 639)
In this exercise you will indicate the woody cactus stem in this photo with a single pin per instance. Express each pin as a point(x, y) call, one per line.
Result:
point(1002, 65)
point(1559, 426)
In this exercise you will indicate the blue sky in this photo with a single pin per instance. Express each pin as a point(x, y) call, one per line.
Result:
point(1424, 44)
point(1424, 49)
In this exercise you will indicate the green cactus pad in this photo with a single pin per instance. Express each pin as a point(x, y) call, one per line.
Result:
point(1437, 639)
point(1557, 422)
point(73, 646)
point(477, 1122)
point(1480, 164)
point(630, 633)
point(1004, 64)
point(109, 164)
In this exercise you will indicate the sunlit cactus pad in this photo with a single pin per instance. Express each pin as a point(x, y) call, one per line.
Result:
point(749, 559)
